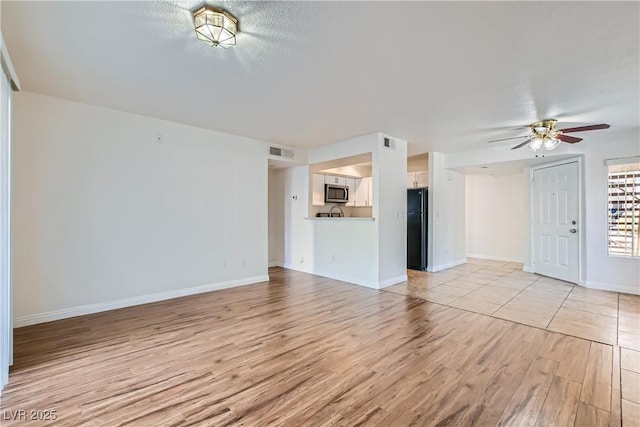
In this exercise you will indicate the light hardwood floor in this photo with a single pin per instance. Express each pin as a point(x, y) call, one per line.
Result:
point(306, 350)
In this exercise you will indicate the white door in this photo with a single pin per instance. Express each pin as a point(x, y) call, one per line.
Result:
point(555, 222)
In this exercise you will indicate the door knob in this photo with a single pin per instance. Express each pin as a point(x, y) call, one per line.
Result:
point(573, 230)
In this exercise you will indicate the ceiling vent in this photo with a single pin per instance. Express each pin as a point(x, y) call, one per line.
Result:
point(280, 152)
point(388, 143)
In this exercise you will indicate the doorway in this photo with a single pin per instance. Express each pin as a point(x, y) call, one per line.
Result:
point(556, 208)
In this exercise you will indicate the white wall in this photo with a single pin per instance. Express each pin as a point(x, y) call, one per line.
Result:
point(496, 217)
point(351, 250)
point(446, 239)
point(298, 232)
point(390, 201)
point(603, 271)
point(276, 217)
point(105, 215)
point(598, 270)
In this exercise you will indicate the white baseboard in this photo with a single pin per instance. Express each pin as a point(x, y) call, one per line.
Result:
point(290, 266)
point(82, 310)
point(441, 267)
point(625, 289)
point(349, 279)
point(393, 281)
point(276, 264)
point(527, 268)
point(495, 258)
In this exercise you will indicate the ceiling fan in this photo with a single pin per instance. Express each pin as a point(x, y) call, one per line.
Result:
point(544, 132)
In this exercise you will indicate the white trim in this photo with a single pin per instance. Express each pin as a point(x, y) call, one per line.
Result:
point(276, 264)
point(393, 281)
point(290, 266)
point(6, 300)
point(626, 289)
point(7, 65)
point(496, 258)
point(373, 284)
point(82, 310)
point(622, 160)
point(527, 268)
point(441, 267)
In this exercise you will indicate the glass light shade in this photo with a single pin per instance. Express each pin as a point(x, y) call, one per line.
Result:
point(215, 27)
point(551, 143)
point(535, 144)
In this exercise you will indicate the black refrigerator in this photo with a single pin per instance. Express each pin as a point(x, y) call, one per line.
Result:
point(417, 205)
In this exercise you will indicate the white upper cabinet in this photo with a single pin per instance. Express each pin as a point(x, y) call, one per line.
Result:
point(361, 192)
point(411, 180)
point(364, 192)
point(418, 179)
point(351, 184)
point(335, 180)
point(360, 189)
point(318, 190)
point(422, 179)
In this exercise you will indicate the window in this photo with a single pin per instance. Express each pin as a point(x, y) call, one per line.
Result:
point(624, 209)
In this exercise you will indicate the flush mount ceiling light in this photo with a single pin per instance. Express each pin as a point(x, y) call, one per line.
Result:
point(215, 27)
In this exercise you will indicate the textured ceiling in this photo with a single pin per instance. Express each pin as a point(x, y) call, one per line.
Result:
point(446, 76)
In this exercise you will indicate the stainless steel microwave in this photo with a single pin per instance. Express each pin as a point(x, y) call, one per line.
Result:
point(336, 193)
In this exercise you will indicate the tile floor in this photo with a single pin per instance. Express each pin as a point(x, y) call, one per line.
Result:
point(501, 289)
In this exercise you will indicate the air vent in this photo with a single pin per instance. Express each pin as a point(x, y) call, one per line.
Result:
point(388, 143)
point(280, 152)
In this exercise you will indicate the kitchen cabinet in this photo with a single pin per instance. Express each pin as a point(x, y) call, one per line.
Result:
point(335, 180)
point(422, 179)
point(418, 179)
point(360, 189)
point(318, 190)
point(351, 184)
point(411, 180)
point(364, 192)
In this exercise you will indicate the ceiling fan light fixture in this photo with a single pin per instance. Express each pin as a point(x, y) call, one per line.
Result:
point(551, 143)
point(535, 144)
point(215, 27)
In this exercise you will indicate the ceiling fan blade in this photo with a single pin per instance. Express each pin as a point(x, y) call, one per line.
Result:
point(568, 138)
point(506, 139)
point(522, 144)
point(584, 128)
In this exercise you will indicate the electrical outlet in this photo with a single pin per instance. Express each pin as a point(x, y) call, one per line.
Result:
point(244, 262)
point(301, 260)
point(333, 258)
point(225, 264)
